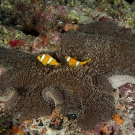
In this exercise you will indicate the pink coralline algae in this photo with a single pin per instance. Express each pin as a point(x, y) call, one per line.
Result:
point(43, 40)
point(127, 98)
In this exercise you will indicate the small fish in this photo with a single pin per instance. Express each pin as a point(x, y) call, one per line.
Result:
point(47, 59)
point(74, 63)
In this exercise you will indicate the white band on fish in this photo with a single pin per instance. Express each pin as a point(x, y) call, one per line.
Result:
point(77, 63)
point(49, 60)
point(43, 56)
point(68, 58)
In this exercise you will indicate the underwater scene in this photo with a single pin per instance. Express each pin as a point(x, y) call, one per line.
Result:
point(67, 67)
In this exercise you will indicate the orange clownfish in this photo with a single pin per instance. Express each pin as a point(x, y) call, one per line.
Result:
point(47, 59)
point(74, 63)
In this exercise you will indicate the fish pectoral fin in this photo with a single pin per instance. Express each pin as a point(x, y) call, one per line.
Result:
point(44, 64)
point(71, 65)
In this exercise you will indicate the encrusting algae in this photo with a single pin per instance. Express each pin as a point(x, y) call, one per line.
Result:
point(118, 120)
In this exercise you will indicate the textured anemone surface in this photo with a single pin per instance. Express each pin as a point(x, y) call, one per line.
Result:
point(23, 73)
point(84, 91)
point(111, 54)
point(80, 96)
point(107, 28)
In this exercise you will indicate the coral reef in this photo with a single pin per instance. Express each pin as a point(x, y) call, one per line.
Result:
point(68, 27)
point(85, 91)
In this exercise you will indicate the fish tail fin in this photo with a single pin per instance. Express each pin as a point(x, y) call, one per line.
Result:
point(54, 62)
point(89, 60)
point(57, 64)
point(84, 62)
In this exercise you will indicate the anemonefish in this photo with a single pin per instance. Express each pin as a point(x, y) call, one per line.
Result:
point(47, 59)
point(74, 63)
